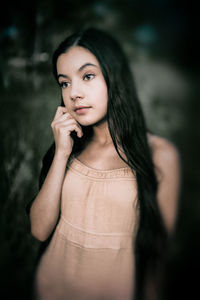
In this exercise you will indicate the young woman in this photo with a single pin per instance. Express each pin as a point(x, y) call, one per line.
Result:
point(108, 188)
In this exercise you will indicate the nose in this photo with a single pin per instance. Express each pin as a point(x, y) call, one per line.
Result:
point(76, 91)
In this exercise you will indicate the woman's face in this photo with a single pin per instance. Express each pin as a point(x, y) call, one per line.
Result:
point(84, 89)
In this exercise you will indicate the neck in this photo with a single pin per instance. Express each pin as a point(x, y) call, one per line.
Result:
point(101, 134)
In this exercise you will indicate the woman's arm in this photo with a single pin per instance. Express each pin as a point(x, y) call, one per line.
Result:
point(167, 164)
point(45, 209)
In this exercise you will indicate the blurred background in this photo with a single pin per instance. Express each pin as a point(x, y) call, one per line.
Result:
point(161, 39)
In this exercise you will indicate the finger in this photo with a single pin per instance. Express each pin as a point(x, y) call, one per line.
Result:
point(71, 125)
point(68, 122)
point(63, 123)
point(60, 111)
point(66, 125)
point(65, 116)
point(75, 127)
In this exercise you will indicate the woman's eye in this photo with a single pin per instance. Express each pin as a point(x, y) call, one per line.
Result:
point(64, 84)
point(88, 76)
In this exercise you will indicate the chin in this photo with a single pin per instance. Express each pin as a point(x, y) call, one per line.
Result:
point(88, 121)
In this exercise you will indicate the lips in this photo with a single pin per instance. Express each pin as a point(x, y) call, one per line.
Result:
point(81, 107)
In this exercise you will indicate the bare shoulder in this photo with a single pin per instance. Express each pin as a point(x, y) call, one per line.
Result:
point(165, 154)
point(167, 168)
point(162, 147)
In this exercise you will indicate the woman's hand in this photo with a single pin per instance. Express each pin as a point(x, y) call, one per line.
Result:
point(63, 124)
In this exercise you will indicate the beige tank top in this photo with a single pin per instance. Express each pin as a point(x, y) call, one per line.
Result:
point(90, 256)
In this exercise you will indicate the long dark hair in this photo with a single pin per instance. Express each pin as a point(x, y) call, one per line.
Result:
point(129, 134)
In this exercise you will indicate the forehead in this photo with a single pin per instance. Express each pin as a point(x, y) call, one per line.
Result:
point(74, 58)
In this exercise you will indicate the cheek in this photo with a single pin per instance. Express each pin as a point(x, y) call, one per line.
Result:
point(104, 98)
point(101, 93)
point(104, 93)
point(66, 100)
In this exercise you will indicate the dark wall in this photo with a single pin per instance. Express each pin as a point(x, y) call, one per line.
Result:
point(161, 41)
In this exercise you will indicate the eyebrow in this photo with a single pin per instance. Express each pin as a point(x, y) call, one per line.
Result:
point(79, 70)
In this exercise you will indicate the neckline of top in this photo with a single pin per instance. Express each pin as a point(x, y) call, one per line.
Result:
point(99, 170)
point(114, 174)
